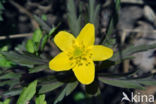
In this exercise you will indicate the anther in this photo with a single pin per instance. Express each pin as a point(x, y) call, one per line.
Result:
point(80, 64)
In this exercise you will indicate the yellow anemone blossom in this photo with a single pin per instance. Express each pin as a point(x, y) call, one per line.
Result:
point(79, 53)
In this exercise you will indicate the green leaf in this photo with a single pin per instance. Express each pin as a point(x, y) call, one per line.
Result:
point(37, 36)
point(131, 50)
point(66, 91)
point(1, 18)
point(40, 100)
point(4, 62)
point(12, 92)
point(44, 17)
point(46, 37)
point(93, 13)
point(71, 87)
point(147, 81)
point(73, 21)
point(112, 22)
point(38, 68)
point(27, 93)
point(91, 10)
point(7, 101)
point(42, 24)
point(117, 5)
point(121, 83)
point(44, 41)
point(23, 59)
point(134, 49)
point(10, 75)
point(1, 6)
point(4, 48)
point(30, 46)
point(50, 87)
point(11, 83)
point(79, 96)
point(53, 30)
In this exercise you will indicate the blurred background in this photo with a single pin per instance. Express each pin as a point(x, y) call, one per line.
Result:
point(136, 25)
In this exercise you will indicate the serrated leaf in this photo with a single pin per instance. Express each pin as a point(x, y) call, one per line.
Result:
point(38, 68)
point(27, 93)
point(50, 87)
point(121, 83)
point(40, 100)
point(66, 91)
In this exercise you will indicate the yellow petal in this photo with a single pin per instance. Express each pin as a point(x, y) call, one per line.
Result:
point(64, 40)
point(60, 62)
point(101, 53)
point(85, 73)
point(87, 35)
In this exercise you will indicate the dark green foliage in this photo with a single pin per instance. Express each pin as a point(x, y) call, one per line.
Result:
point(128, 83)
point(74, 21)
point(1, 9)
point(93, 11)
point(66, 91)
point(23, 59)
point(112, 22)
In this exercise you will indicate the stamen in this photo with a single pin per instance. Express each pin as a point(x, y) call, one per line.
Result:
point(80, 64)
point(84, 58)
point(88, 63)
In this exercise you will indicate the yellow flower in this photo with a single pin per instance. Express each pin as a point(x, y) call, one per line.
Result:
point(79, 53)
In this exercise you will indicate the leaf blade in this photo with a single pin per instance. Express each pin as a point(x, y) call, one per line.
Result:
point(27, 93)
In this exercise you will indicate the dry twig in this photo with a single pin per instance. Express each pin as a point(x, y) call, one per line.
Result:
point(16, 36)
point(23, 10)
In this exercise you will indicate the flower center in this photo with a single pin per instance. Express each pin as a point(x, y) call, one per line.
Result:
point(77, 52)
point(80, 54)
